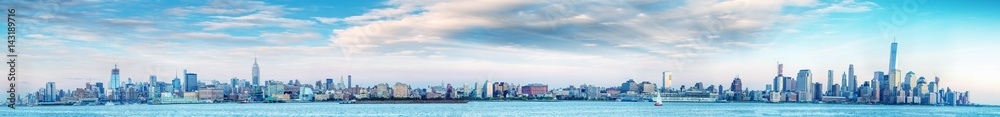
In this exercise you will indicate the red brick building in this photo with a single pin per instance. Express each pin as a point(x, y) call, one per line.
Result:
point(535, 89)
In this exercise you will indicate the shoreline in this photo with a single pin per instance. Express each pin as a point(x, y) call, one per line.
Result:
point(501, 101)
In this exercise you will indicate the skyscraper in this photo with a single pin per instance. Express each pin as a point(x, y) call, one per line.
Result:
point(234, 82)
point(667, 80)
point(176, 83)
point(100, 89)
point(789, 84)
point(153, 90)
point(256, 72)
point(50, 93)
point(737, 85)
point(778, 80)
point(852, 79)
point(114, 78)
point(329, 84)
point(843, 85)
point(829, 80)
point(190, 82)
point(892, 56)
point(909, 82)
point(777, 83)
point(349, 81)
point(893, 71)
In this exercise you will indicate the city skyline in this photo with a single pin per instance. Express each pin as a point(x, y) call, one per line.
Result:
point(369, 43)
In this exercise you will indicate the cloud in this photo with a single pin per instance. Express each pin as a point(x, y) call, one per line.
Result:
point(283, 38)
point(128, 22)
point(326, 20)
point(791, 31)
point(220, 7)
point(695, 26)
point(847, 6)
point(404, 53)
point(252, 20)
point(257, 14)
point(212, 38)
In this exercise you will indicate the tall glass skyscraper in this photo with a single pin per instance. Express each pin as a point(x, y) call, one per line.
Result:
point(176, 83)
point(829, 81)
point(852, 80)
point(893, 71)
point(114, 78)
point(804, 79)
point(190, 82)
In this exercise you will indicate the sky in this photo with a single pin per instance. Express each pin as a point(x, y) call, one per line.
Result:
point(554, 42)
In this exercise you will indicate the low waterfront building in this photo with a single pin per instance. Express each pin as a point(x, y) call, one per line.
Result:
point(210, 94)
point(535, 90)
point(400, 90)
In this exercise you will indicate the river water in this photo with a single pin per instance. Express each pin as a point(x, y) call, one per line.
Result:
point(516, 109)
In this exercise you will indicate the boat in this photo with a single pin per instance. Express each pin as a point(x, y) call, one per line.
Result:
point(659, 102)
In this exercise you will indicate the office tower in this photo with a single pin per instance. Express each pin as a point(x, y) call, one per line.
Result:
point(667, 81)
point(768, 87)
point(778, 80)
point(843, 85)
point(920, 88)
point(488, 93)
point(780, 67)
point(909, 82)
point(852, 79)
point(341, 84)
point(484, 89)
point(892, 56)
point(176, 83)
point(789, 84)
point(100, 89)
point(190, 81)
point(152, 82)
point(829, 80)
point(883, 86)
point(114, 78)
point(256, 72)
point(893, 71)
point(737, 85)
point(818, 91)
point(152, 79)
point(234, 82)
point(349, 81)
point(777, 84)
point(876, 89)
point(804, 79)
point(329, 84)
point(894, 80)
point(937, 79)
point(50, 93)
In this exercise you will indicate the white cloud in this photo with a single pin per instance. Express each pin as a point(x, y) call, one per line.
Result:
point(847, 6)
point(258, 19)
point(791, 31)
point(260, 14)
point(282, 38)
point(130, 22)
point(326, 20)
